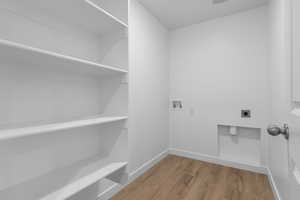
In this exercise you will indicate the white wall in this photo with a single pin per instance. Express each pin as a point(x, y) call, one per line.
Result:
point(148, 90)
point(217, 68)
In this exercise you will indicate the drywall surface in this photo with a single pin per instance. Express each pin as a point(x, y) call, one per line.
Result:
point(217, 68)
point(148, 87)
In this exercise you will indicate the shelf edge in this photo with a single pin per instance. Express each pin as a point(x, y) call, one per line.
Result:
point(59, 56)
point(35, 130)
point(100, 9)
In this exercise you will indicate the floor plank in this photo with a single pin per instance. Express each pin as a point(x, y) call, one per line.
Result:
point(178, 178)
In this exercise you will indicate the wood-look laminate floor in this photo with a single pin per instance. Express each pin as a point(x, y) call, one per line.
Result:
point(177, 178)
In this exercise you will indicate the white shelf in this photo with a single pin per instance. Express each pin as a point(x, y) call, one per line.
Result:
point(78, 185)
point(85, 14)
point(97, 7)
point(34, 130)
point(65, 182)
point(14, 52)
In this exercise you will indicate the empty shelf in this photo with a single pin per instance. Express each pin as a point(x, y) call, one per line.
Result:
point(65, 182)
point(14, 52)
point(97, 7)
point(85, 14)
point(75, 187)
point(34, 130)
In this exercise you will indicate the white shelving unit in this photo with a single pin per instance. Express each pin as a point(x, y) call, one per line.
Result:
point(62, 60)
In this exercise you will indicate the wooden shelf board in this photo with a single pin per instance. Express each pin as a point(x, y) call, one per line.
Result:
point(35, 130)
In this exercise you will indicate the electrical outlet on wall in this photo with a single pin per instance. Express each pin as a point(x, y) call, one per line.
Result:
point(246, 113)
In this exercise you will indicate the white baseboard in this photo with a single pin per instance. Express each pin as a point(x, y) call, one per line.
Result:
point(217, 160)
point(145, 167)
point(273, 185)
point(110, 192)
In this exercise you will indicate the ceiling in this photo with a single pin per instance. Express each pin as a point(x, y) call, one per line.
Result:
point(178, 13)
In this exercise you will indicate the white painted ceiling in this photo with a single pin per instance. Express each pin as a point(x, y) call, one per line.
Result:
point(178, 13)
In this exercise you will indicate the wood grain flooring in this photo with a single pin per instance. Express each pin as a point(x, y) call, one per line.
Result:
point(178, 178)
